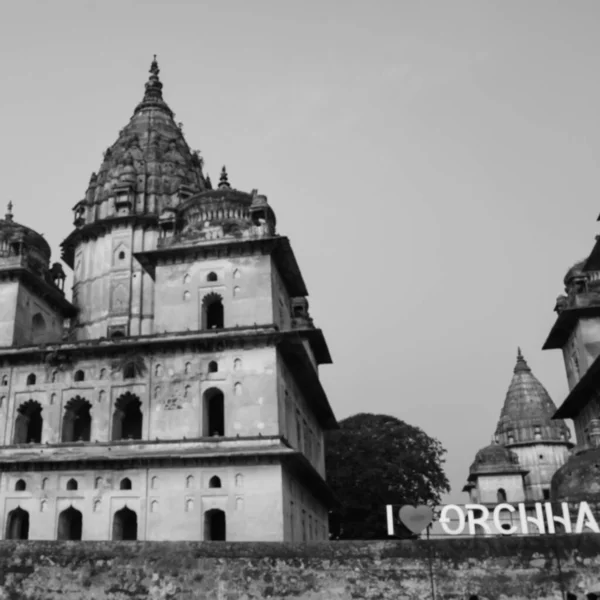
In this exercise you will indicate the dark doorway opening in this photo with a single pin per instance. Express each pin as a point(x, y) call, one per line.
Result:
point(125, 525)
point(214, 525)
point(213, 313)
point(127, 418)
point(17, 525)
point(214, 413)
point(77, 421)
point(28, 426)
point(70, 523)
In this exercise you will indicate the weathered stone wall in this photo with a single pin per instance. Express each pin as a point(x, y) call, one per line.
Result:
point(498, 568)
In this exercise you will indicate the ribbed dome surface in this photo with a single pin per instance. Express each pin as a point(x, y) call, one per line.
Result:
point(495, 458)
point(15, 233)
point(578, 479)
point(526, 416)
point(150, 154)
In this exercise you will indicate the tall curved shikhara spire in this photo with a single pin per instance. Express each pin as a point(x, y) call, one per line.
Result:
point(150, 158)
point(527, 413)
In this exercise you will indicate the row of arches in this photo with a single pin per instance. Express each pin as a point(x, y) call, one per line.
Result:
point(127, 419)
point(124, 527)
point(129, 371)
point(126, 484)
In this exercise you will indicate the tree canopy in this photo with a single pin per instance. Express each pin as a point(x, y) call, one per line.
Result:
point(374, 460)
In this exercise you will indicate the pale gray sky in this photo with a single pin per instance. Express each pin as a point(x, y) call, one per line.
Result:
point(435, 165)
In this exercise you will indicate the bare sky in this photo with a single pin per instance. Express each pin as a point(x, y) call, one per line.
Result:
point(435, 165)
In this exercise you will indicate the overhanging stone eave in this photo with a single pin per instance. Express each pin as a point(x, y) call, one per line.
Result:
point(294, 354)
point(45, 290)
point(493, 472)
point(581, 393)
point(168, 450)
point(302, 467)
point(565, 323)
point(261, 333)
point(592, 262)
point(278, 246)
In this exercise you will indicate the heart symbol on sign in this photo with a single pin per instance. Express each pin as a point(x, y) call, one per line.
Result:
point(416, 518)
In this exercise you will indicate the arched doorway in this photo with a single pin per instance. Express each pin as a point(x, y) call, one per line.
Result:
point(212, 312)
point(214, 525)
point(70, 524)
point(77, 421)
point(125, 525)
point(213, 422)
point(17, 525)
point(29, 422)
point(127, 418)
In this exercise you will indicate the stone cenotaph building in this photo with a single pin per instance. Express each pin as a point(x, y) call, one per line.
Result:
point(177, 396)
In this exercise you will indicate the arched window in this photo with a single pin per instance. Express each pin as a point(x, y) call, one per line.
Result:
point(4, 379)
point(20, 486)
point(239, 480)
point(45, 483)
point(213, 366)
point(214, 525)
point(28, 425)
point(237, 389)
point(213, 413)
point(54, 376)
point(102, 373)
point(31, 378)
point(17, 524)
point(79, 375)
point(237, 364)
point(77, 421)
point(127, 418)
point(158, 371)
point(70, 522)
point(214, 482)
point(38, 325)
point(72, 484)
point(212, 312)
point(501, 495)
point(154, 483)
point(129, 371)
point(188, 368)
point(98, 483)
point(125, 484)
point(189, 481)
point(212, 276)
point(125, 525)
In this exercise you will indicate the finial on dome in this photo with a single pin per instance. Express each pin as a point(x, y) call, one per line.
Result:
point(224, 180)
point(521, 363)
point(9, 213)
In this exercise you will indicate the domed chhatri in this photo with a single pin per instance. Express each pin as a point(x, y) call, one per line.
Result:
point(184, 299)
point(497, 459)
point(527, 449)
point(16, 238)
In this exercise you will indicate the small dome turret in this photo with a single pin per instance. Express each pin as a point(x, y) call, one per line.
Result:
point(16, 239)
point(495, 459)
